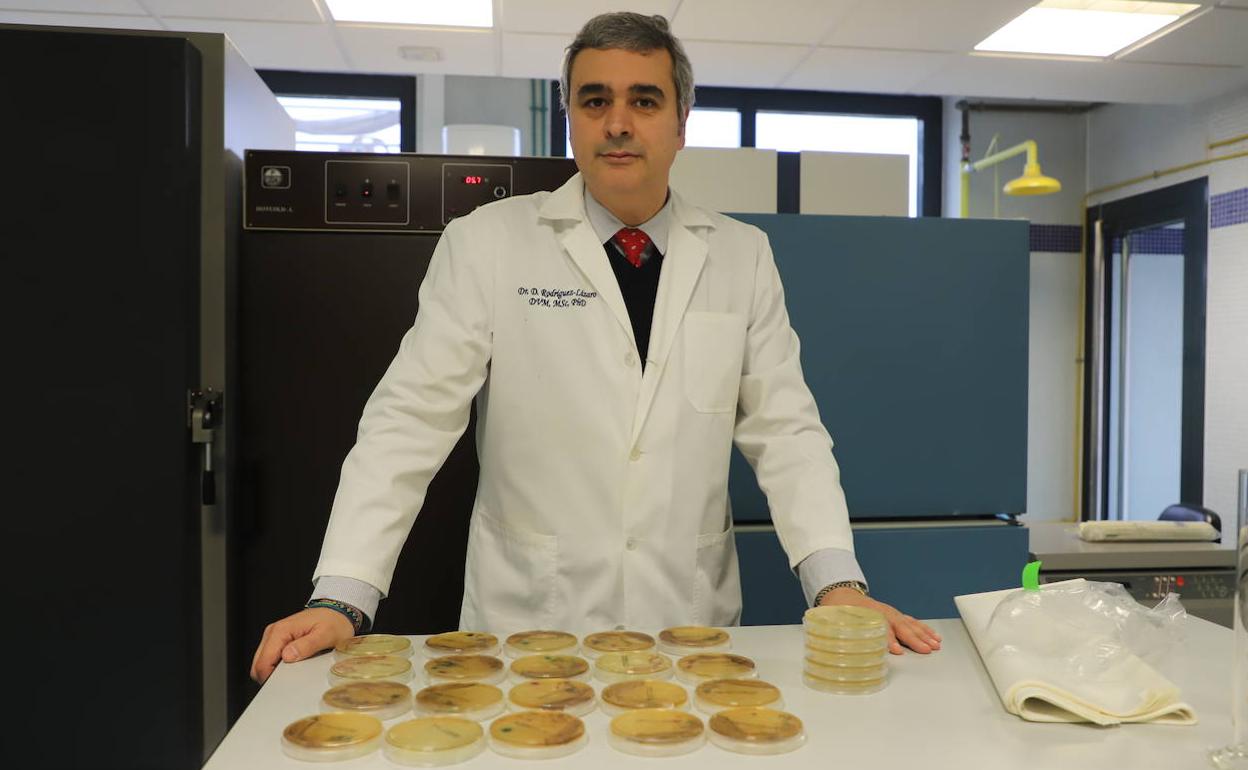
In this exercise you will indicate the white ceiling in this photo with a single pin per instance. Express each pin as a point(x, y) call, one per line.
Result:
point(883, 46)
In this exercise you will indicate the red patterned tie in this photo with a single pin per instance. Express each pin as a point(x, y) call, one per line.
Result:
point(632, 242)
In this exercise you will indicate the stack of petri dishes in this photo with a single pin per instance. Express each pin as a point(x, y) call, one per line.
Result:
point(845, 650)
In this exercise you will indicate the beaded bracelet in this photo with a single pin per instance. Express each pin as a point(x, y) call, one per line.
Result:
point(358, 619)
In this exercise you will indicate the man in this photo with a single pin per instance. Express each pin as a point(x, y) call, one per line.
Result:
point(619, 341)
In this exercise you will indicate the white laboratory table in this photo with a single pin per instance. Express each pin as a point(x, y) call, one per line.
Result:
point(938, 711)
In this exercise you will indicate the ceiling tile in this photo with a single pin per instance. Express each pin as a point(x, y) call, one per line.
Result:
point(948, 25)
point(865, 70)
point(565, 16)
point(742, 64)
point(1218, 37)
point(78, 20)
point(533, 56)
point(269, 45)
point(1113, 81)
point(375, 48)
point(131, 7)
point(269, 10)
point(775, 21)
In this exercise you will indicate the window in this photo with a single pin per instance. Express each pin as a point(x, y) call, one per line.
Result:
point(796, 132)
point(348, 113)
point(331, 124)
point(792, 121)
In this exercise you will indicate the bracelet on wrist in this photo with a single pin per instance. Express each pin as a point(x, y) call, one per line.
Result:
point(856, 585)
point(359, 621)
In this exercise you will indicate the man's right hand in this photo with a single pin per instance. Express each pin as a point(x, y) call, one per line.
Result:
point(299, 636)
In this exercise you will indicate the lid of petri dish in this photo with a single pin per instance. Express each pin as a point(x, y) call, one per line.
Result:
point(464, 668)
point(756, 730)
point(537, 733)
point(863, 687)
point(365, 697)
point(374, 644)
point(549, 666)
point(735, 693)
point(867, 645)
point(841, 621)
point(619, 641)
point(534, 642)
point(374, 667)
point(715, 665)
point(458, 698)
point(633, 663)
point(552, 695)
point(850, 659)
point(845, 673)
point(434, 740)
point(656, 732)
point(645, 694)
point(461, 643)
point(693, 636)
point(333, 735)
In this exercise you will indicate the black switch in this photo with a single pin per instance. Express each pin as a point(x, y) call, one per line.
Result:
point(392, 190)
point(366, 189)
point(340, 190)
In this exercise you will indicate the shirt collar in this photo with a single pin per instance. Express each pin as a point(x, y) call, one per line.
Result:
point(606, 224)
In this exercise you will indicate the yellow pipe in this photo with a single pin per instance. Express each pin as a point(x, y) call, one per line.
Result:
point(1231, 140)
point(1027, 146)
point(1080, 358)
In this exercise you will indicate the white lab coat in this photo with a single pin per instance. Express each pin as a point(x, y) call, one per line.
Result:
point(602, 499)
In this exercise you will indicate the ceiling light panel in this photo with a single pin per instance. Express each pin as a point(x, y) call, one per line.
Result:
point(430, 13)
point(1097, 28)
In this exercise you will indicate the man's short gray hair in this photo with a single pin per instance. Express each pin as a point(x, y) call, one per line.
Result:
point(632, 32)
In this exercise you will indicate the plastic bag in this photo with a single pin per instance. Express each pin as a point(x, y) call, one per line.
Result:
point(1089, 626)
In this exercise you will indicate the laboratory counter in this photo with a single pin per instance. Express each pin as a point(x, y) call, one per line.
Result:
point(938, 712)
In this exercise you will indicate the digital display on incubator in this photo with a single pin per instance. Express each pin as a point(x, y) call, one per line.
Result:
point(474, 180)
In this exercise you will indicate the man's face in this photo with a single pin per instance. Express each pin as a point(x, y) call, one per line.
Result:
point(624, 120)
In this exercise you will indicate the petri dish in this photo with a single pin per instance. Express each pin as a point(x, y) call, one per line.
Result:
point(537, 735)
point(434, 741)
point(848, 646)
point(566, 695)
point(845, 673)
point(847, 659)
point(461, 643)
point(611, 667)
point(643, 694)
point(719, 694)
point(537, 642)
point(862, 687)
point(686, 640)
point(656, 732)
point(373, 644)
point(616, 641)
point(383, 700)
point(371, 668)
point(841, 621)
point(470, 700)
point(550, 667)
point(756, 730)
point(465, 668)
point(331, 737)
point(705, 666)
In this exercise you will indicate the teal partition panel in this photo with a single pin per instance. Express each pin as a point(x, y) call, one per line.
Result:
point(914, 343)
point(918, 569)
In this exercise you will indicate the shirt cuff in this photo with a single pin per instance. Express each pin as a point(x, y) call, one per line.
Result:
point(825, 567)
point(357, 593)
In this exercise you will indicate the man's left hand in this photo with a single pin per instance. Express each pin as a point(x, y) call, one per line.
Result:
point(902, 629)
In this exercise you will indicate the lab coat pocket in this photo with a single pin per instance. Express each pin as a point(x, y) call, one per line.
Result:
point(511, 573)
point(714, 348)
point(717, 581)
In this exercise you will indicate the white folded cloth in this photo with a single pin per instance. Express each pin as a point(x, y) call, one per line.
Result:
point(1147, 531)
point(1117, 687)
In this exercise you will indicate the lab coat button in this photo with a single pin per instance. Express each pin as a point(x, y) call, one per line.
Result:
point(620, 627)
point(636, 455)
point(629, 358)
point(631, 544)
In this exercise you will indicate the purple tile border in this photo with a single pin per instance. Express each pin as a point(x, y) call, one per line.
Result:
point(1060, 238)
point(1228, 208)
